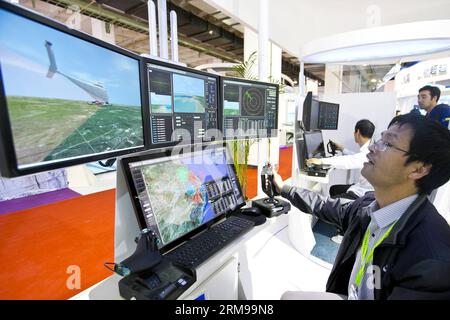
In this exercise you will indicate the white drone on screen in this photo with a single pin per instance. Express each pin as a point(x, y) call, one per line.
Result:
point(95, 89)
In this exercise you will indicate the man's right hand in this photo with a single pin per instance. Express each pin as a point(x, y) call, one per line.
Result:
point(338, 146)
point(277, 181)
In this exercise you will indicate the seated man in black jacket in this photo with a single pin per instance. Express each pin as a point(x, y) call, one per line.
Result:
point(396, 245)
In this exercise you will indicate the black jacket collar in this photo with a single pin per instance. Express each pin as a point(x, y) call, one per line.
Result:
point(406, 223)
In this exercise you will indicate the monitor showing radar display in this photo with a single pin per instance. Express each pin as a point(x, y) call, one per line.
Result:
point(183, 104)
point(177, 196)
point(319, 114)
point(66, 98)
point(249, 108)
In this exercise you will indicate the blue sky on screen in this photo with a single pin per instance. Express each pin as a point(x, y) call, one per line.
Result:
point(24, 64)
point(188, 86)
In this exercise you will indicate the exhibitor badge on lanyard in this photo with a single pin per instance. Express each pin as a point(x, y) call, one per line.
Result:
point(365, 259)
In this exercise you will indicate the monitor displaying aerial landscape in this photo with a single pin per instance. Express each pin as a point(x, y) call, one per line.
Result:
point(66, 97)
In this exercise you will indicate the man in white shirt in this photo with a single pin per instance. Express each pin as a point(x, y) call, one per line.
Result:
point(363, 134)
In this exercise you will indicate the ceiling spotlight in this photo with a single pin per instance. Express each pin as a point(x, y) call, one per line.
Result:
point(210, 32)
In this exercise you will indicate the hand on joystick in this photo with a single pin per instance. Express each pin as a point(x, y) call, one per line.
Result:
point(277, 180)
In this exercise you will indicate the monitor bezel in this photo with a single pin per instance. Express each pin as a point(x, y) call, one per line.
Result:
point(307, 114)
point(149, 60)
point(163, 153)
point(320, 110)
point(9, 166)
point(273, 132)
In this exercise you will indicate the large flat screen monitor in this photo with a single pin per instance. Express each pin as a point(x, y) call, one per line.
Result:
point(66, 98)
point(314, 144)
point(183, 104)
point(250, 108)
point(328, 116)
point(180, 195)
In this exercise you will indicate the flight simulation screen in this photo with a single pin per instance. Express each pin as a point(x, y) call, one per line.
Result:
point(314, 145)
point(328, 116)
point(66, 98)
point(182, 102)
point(177, 194)
point(249, 108)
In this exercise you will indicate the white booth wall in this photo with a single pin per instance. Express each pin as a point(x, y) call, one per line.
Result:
point(378, 107)
point(286, 118)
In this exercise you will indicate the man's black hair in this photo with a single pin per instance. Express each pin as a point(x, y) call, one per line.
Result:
point(434, 91)
point(365, 127)
point(429, 144)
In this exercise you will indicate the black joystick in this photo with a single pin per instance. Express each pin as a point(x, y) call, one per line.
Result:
point(145, 257)
point(147, 275)
point(331, 148)
point(267, 183)
point(270, 206)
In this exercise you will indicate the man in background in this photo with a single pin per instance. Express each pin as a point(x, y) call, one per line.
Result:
point(363, 133)
point(428, 98)
point(364, 130)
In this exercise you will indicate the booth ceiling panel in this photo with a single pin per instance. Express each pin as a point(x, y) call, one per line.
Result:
point(293, 23)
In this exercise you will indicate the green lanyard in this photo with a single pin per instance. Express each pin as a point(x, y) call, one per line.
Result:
point(366, 259)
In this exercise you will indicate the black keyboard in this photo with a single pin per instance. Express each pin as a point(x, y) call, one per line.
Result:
point(195, 251)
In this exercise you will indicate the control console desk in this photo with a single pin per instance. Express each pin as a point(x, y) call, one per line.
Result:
point(225, 269)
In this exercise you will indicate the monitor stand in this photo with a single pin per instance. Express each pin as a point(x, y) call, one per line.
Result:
point(126, 227)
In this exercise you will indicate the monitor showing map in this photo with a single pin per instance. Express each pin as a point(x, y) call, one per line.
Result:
point(183, 103)
point(66, 98)
point(177, 196)
point(250, 108)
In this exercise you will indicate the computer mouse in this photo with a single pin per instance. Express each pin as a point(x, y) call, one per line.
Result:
point(253, 211)
point(252, 214)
